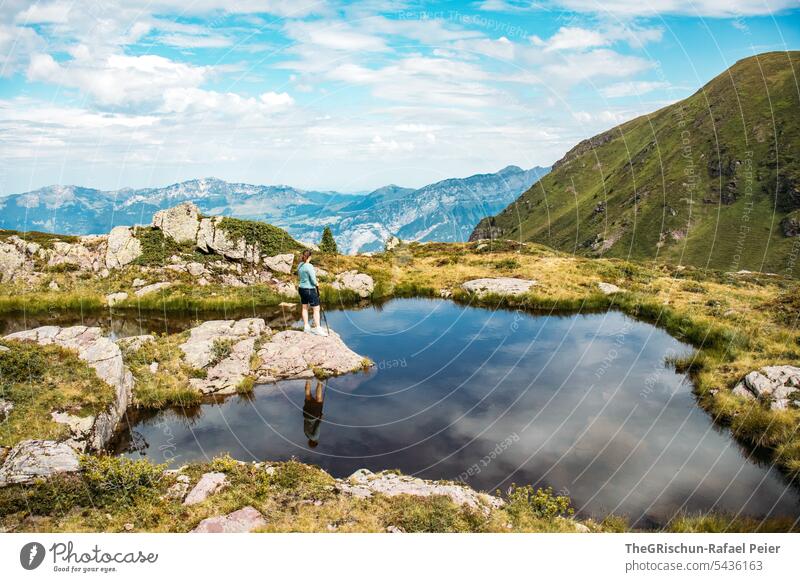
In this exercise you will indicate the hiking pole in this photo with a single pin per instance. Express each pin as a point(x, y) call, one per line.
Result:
point(322, 312)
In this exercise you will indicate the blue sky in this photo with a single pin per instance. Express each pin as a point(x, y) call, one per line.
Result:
point(345, 96)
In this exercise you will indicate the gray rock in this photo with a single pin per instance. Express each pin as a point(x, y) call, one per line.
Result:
point(198, 348)
point(286, 289)
point(365, 483)
point(12, 261)
point(212, 238)
point(498, 285)
point(123, 248)
point(79, 426)
point(6, 406)
point(35, 459)
point(392, 243)
point(152, 288)
point(196, 269)
point(226, 376)
point(295, 354)
point(208, 484)
point(180, 223)
point(608, 288)
point(113, 298)
point(178, 489)
point(742, 391)
point(100, 353)
point(360, 283)
point(778, 383)
point(243, 520)
point(139, 282)
point(280, 263)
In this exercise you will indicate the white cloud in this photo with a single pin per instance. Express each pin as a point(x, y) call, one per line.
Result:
point(117, 80)
point(708, 8)
point(632, 88)
point(571, 38)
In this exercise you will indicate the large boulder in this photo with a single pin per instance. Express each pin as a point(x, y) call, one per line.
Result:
point(280, 263)
point(211, 238)
point(12, 261)
point(777, 384)
point(365, 483)
point(100, 353)
point(37, 459)
point(146, 290)
point(498, 286)
point(208, 484)
point(242, 520)
point(122, 248)
point(296, 354)
point(360, 283)
point(179, 223)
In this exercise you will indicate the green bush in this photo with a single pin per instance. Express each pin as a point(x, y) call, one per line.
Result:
point(434, 514)
point(526, 502)
point(156, 248)
point(114, 480)
point(23, 362)
point(221, 349)
point(270, 239)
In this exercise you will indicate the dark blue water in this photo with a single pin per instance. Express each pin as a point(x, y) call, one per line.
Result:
point(583, 403)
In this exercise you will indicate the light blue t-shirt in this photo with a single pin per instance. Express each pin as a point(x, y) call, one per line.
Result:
point(308, 277)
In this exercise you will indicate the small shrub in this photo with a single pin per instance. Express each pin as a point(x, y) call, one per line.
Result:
point(434, 514)
point(62, 268)
point(246, 385)
point(114, 480)
point(507, 265)
point(526, 502)
point(156, 248)
point(221, 349)
point(270, 239)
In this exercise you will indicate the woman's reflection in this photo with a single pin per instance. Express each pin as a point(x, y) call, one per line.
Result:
point(312, 413)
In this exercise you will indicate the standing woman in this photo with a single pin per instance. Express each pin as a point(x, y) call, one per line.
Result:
point(309, 293)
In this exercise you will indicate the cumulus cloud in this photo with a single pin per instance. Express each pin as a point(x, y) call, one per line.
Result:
point(708, 8)
point(632, 88)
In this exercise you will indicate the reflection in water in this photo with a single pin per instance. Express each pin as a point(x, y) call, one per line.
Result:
point(583, 403)
point(312, 413)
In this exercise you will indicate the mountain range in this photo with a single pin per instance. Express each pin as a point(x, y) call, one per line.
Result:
point(711, 181)
point(445, 211)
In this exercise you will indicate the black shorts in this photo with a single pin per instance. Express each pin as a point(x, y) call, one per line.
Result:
point(309, 297)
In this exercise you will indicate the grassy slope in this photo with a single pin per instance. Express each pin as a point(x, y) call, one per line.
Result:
point(683, 184)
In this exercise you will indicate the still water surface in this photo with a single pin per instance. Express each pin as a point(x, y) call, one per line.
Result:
point(582, 403)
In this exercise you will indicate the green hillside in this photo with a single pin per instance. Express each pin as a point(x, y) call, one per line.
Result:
point(711, 181)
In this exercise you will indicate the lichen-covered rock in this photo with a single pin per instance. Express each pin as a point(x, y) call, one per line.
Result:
point(242, 520)
point(365, 483)
point(122, 247)
point(296, 354)
point(280, 263)
point(12, 261)
point(208, 484)
point(79, 426)
point(777, 384)
point(82, 256)
point(147, 289)
point(199, 347)
point(498, 286)
point(34, 459)
point(6, 406)
point(212, 238)
point(361, 283)
point(180, 223)
point(100, 353)
point(113, 298)
point(608, 288)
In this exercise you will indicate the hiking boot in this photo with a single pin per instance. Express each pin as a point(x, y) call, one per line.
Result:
point(307, 329)
point(320, 332)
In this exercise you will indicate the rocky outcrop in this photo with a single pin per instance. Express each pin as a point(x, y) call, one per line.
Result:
point(36, 459)
point(242, 520)
point(778, 385)
point(498, 286)
point(608, 288)
point(361, 283)
point(280, 263)
point(224, 350)
point(208, 484)
point(113, 298)
point(146, 290)
point(12, 261)
point(211, 238)
point(230, 351)
point(100, 353)
point(365, 483)
point(790, 225)
point(296, 354)
point(180, 223)
point(122, 247)
point(6, 406)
